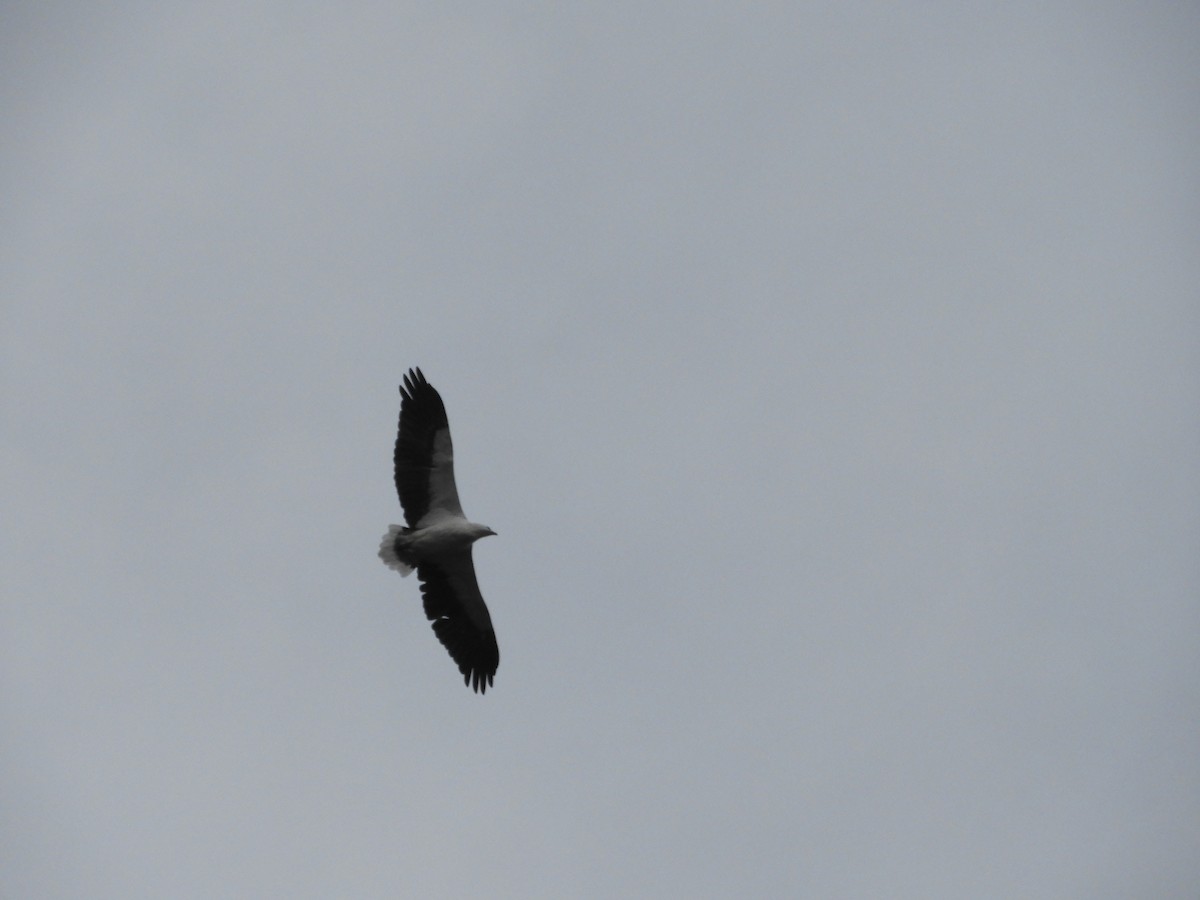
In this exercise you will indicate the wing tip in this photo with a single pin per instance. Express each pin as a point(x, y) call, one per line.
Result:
point(478, 680)
point(414, 380)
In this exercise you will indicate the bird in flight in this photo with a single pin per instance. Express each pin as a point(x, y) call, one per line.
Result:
point(438, 537)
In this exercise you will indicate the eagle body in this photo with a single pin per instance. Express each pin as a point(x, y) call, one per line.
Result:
point(404, 549)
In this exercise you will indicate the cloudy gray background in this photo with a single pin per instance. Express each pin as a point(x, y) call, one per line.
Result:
point(830, 372)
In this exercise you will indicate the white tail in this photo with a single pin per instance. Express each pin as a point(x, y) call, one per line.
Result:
point(387, 550)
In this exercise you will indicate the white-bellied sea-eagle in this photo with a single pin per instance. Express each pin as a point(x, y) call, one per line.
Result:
point(438, 537)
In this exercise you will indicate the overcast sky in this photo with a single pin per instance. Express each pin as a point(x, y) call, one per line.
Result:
point(830, 373)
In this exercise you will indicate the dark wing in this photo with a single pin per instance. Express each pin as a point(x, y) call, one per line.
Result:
point(460, 617)
point(424, 456)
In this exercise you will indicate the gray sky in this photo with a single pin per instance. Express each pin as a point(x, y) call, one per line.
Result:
point(831, 374)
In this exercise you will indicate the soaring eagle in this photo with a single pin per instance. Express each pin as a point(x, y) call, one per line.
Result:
point(437, 540)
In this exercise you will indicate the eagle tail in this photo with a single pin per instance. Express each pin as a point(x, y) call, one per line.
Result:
point(390, 553)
